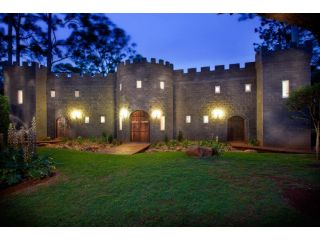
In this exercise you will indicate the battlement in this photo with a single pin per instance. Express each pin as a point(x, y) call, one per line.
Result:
point(145, 60)
point(231, 68)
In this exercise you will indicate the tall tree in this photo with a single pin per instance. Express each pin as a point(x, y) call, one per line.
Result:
point(305, 103)
point(95, 45)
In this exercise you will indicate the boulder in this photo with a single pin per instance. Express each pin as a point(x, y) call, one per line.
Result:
point(200, 152)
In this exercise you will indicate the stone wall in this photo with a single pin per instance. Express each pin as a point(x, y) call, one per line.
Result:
point(196, 97)
point(96, 99)
point(275, 125)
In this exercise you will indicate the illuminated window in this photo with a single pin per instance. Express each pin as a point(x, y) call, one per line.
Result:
point(120, 87)
point(77, 93)
point(205, 119)
point(53, 93)
point(120, 123)
point(162, 123)
point(86, 119)
point(139, 84)
point(188, 119)
point(161, 85)
point(20, 97)
point(102, 119)
point(248, 87)
point(285, 88)
point(217, 89)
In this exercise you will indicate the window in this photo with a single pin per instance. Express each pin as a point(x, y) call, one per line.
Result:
point(86, 119)
point(217, 89)
point(77, 93)
point(120, 123)
point(188, 119)
point(205, 119)
point(120, 87)
point(139, 84)
point(20, 96)
point(247, 87)
point(102, 119)
point(162, 123)
point(53, 93)
point(285, 88)
point(161, 85)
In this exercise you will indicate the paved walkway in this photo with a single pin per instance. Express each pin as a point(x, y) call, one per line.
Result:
point(242, 146)
point(129, 148)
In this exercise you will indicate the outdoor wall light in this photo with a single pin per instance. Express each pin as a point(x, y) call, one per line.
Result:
point(217, 113)
point(156, 114)
point(124, 113)
point(76, 114)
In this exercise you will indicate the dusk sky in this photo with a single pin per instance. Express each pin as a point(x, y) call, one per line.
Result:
point(191, 40)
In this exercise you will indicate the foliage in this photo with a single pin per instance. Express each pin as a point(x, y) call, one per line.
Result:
point(219, 148)
point(305, 104)
point(4, 119)
point(14, 169)
point(180, 136)
point(107, 138)
point(253, 142)
point(166, 139)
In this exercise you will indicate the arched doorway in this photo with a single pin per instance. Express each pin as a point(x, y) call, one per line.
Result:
point(236, 129)
point(139, 126)
point(62, 127)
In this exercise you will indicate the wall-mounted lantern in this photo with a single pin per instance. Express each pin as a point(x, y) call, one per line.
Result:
point(124, 113)
point(76, 114)
point(217, 113)
point(156, 114)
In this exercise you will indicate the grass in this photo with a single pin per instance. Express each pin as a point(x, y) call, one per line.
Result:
point(164, 189)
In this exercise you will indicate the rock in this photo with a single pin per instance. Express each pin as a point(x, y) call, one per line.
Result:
point(250, 151)
point(200, 151)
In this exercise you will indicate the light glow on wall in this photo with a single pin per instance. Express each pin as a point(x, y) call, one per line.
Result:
point(76, 114)
point(124, 113)
point(156, 114)
point(217, 113)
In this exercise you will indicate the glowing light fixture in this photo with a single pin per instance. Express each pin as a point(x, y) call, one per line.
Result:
point(76, 114)
point(124, 113)
point(217, 113)
point(156, 114)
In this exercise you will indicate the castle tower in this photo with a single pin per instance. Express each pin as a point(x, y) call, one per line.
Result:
point(279, 73)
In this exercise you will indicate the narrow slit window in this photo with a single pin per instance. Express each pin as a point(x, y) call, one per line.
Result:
point(217, 89)
point(20, 96)
point(188, 119)
point(285, 88)
point(248, 87)
point(102, 119)
point(77, 93)
point(120, 87)
point(86, 119)
point(161, 85)
point(53, 93)
point(139, 84)
point(120, 123)
point(162, 123)
point(206, 119)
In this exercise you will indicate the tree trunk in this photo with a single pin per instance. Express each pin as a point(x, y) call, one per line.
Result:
point(10, 42)
point(18, 46)
point(49, 55)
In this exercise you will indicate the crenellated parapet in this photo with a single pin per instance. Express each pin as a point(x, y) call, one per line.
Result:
point(154, 61)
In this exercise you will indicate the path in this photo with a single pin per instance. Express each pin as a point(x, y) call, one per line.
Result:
point(129, 148)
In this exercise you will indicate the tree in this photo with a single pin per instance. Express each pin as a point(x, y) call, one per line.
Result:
point(4, 119)
point(305, 103)
point(95, 45)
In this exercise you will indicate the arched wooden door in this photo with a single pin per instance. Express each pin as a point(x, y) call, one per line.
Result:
point(236, 129)
point(62, 127)
point(140, 127)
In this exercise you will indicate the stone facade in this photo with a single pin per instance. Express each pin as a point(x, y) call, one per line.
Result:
point(190, 93)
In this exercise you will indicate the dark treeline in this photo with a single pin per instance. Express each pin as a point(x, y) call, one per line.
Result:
point(83, 43)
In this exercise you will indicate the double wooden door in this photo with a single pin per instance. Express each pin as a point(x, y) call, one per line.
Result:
point(140, 127)
point(62, 127)
point(236, 129)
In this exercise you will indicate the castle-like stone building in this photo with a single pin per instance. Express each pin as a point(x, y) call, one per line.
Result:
point(148, 100)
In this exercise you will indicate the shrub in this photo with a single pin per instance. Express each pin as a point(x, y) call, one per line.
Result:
point(180, 136)
point(4, 119)
point(110, 139)
point(253, 142)
point(219, 148)
point(166, 139)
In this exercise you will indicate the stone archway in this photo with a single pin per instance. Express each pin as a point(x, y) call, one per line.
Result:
point(139, 126)
point(236, 129)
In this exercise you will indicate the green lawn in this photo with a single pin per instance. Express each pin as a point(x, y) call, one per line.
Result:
point(168, 189)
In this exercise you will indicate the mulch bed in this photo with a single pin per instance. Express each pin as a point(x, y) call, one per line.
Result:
point(29, 184)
